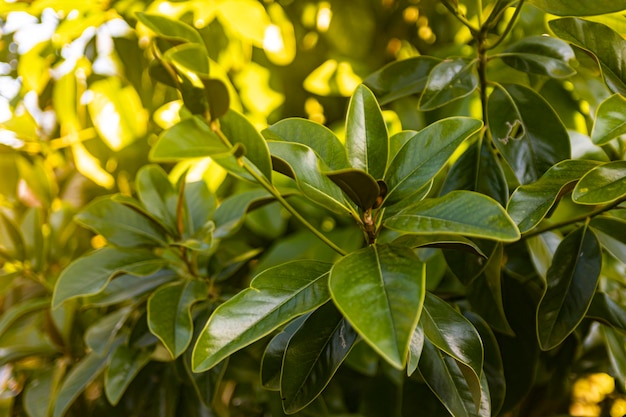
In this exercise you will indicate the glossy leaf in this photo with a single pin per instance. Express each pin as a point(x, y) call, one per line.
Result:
point(75, 382)
point(540, 55)
point(169, 313)
point(607, 311)
point(453, 334)
point(238, 129)
point(449, 80)
point(445, 378)
point(608, 47)
point(572, 280)
point(314, 135)
point(463, 212)
point(616, 350)
point(442, 241)
point(170, 29)
point(609, 122)
point(401, 78)
point(380, 290)
point(90, 274)
point(303, 164)
point(101, 334)
point(361, 187)
point(127, 287)
point(190, 60)
point(530, 148)
point(13, 313)
point(39, 392)
point(415, 349)
point(272, 362)
point(579, 8)
point(480, 171)
point(313, 355)
point(217, 96)
point(230, 214)
point(190, 138)
point(367, 142)
point(530, 203)
point(611, 232)
point(275, 296)
point(602, 185)
point(158, 196)
point(125, 364)
point(121, 225)
point(424, 154)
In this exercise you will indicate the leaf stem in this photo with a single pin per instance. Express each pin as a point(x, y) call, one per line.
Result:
point(276, 194)
point(576, 219)
point(473, 29)
point(509, 26)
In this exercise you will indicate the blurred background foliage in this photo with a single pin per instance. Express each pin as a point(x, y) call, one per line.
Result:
point(79, 112)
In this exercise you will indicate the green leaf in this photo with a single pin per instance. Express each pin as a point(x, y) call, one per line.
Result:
point(170, 29)
point(302, 163)
point(580, 7)
point(127, 287)
point(272, 362)
point(13, 313)
point(452, 333)
point(81, 375)
point(612, 234)
point(367, 142)
point(530, 203)
point(445, 377)
point(609, 122)
point(415, 349)
point(275, 296)
point(572, 280)
point(608, 47)
point(11, 241)
point(190, 138)
point(230, 214)
point(238, 129)
point(158, 196)
point(616, 350)
point(529, 147)
point(39, 393)
point(314, 135)
point(540, 55)
point(125, 364)
point(604, 184)
point(449, 80)
point(607, 311)
point(479, 171)
point(200, 205)
point(463, 212)
point(313, 355)
point(101, 334)
point(190, 60)
point(442, 241)
point(424, 154)
point(380, 290)
point(169, 313)
point(90, 274)
point(121, 225)
point(401, 78)
point(217, 96)
point(361, 187)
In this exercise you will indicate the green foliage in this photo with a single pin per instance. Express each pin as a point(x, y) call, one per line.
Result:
point(310, 208)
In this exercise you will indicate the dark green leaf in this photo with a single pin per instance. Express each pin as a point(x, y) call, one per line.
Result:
point(380, 290)
point(127, 287)
point(607, 311)
point(442, 241)
point(121, 225)
point(101, 334)
point(13, 313)
point(401, 78)
point(125, 364)
point(361, 187)
point(90, 274)
point(540, 55)
point(314, 135)
point(157, 194)
point(608, 46)
point(602, 185)
point(449, 80)
point(453, 334)
point(272, 362)
point(616, 349)
point(199, 208)
point(170, 29)
point(230, 214)
point(423, 155)
point(217, 96)
point(189, 60)
point(580, 7)
point(38, 394)
point(612, 234)
point(238, 129)
point(609, 122)
point(415, 349)
point(367, 142)
point(11, 241)
point(529, 147)
point(275, 296)
point(463, 212)
point(478, 172)
point(169, 313)
point(313, 355)
point(308, 170)
point(530, 203)
point(572, 280)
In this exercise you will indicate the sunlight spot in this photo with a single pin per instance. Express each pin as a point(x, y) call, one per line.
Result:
point(9, 139)
point(324, 16)
point(108, 121)
point(273, 40)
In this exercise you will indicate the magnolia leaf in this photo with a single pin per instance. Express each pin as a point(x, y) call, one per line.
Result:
point(125, 364)
point(449, 80)
point(609, 122)
point(170, 29)
point(579, 7)
point(604, 184)
point(540, 55)
point(361, 187)
point(607, 311)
